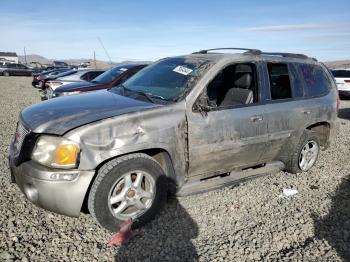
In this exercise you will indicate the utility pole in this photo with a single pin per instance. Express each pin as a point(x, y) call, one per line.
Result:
point(95, 59)
point(25, 56)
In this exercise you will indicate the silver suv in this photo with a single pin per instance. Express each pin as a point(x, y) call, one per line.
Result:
point(182, 125)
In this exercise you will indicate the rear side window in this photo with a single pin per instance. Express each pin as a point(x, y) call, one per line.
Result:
point(92, 75)
point(280, 87)
point(341, 73)
point(315, 80)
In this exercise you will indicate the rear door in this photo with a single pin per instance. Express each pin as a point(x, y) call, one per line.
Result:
point(12, 68)
point(291, 107)
point(284, 109)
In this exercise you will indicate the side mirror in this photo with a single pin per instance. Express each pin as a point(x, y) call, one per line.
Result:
point(201, 108)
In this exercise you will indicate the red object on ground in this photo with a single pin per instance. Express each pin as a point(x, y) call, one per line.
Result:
point(123, 235)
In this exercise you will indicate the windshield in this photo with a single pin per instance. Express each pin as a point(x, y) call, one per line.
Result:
point(109, 75)
point(170, 78)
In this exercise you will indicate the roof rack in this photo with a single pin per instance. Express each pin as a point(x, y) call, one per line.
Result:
point(257, 52)
point(291, 55)
point(251, 51)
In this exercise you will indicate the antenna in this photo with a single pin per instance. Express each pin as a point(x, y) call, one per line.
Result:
point(110, 60)
point(25, 55)
point(95, 59)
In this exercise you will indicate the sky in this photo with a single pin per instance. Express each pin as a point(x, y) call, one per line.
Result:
point(149, 30)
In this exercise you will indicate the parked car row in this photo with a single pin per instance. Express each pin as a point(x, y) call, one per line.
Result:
point(14, 69)
point(108, 79)
point(34, 68)
point(182, 125)
point(74, 76)
point(61, 82)
point(39, 79)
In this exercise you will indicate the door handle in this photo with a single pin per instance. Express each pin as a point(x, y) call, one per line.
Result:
point(307, 112)
point(256, 118)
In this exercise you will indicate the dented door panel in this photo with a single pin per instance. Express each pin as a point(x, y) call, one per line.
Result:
point(225, 139)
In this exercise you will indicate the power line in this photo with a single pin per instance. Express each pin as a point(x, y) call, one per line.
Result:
point(110, 60)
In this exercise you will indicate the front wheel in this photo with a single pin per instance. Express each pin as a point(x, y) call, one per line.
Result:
point(133, 186)
point(6, 73)
point(305, 154)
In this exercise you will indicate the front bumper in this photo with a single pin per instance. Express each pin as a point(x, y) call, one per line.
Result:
point(41, 186)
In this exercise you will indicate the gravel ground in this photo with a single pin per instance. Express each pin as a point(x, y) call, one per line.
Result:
point(248, 222)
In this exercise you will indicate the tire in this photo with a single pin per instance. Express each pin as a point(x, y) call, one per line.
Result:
point(308, 145)
point(111, 184)
point(5, 73)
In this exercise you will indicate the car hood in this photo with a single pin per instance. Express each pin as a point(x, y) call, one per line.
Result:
point(58, 116)
point(74, 86)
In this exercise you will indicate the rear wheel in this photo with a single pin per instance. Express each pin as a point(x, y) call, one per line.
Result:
point(5, 73)
point(305, 154)
point(132, 186)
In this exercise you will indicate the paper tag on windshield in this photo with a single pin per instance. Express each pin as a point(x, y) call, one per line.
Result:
point(182, 70)
point(123, 69)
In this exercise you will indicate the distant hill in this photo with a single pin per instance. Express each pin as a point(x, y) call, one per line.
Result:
point(34, 58)
point(99, 63)
point(338, 64)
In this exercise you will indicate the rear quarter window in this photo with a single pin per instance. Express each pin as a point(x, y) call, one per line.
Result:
point(315, 80)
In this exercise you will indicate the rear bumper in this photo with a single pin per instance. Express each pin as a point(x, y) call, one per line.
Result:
point(45, 187)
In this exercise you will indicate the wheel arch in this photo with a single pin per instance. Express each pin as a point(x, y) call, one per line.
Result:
point(161, 155)
point(322, 129)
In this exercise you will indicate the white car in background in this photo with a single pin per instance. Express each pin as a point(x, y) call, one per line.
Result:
point(76, 76)
point(342, 78)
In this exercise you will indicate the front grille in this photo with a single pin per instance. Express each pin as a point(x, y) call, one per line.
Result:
point(24, 142)
point(21, 133)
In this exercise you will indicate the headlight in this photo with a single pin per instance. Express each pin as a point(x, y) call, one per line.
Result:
point(55, 151)
point(68, 93)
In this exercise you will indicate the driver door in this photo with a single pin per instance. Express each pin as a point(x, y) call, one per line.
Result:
point(224, 138)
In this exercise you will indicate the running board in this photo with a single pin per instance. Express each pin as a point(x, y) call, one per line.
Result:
point(235, 177)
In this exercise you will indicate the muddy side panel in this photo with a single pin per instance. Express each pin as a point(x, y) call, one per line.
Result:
point(162, 128)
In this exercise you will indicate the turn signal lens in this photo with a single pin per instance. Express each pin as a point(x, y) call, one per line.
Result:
point(66, 154)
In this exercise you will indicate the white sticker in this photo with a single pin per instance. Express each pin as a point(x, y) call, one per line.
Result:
point(182, 70)
point(123, 69)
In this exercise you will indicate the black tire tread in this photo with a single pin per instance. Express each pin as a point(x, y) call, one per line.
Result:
point(293, 164)
point(105, 169)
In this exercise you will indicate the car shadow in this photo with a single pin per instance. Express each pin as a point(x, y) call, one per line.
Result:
point(335, 227)
point(166, 238)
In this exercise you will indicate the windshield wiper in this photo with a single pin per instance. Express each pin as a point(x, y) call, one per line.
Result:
point(147, 95)
point(150, 97)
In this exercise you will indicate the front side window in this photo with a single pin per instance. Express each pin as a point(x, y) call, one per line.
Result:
point(235, 85)
point(315, 80)
point(280, 87)
point(171, 78)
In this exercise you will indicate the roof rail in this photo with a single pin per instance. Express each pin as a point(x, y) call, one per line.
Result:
point(250, 51)
point(257, 52)
point(291, 55)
